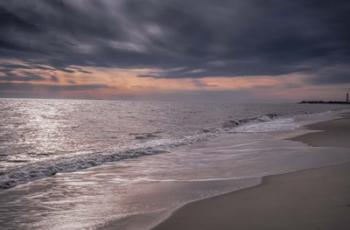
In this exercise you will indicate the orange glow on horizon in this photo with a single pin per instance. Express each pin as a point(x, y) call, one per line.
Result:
point(130, 82)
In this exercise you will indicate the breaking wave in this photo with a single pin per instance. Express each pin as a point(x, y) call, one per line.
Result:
point(153, 144)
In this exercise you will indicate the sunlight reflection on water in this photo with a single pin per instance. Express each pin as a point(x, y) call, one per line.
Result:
point(139, 192)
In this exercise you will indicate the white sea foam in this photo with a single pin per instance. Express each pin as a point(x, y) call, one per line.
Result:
point(282, 124)
point(273, 123)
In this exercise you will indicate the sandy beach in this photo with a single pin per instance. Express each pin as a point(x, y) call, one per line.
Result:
point(309, 199)
point(334, 133)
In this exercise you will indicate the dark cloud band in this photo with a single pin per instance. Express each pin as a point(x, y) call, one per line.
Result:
point(193, 38)
point(8, 86)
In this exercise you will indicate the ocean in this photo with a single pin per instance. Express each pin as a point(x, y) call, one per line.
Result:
point(89, 164)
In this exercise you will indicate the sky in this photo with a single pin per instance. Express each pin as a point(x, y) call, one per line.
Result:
point(247, 50)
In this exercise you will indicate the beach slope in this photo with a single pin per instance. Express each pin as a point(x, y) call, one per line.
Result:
point(311, 199)
point(334, 133)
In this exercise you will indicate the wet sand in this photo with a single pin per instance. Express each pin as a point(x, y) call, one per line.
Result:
point(311, 199)
point(334, 133)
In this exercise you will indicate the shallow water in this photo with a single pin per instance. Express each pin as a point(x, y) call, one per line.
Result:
point(138, 193)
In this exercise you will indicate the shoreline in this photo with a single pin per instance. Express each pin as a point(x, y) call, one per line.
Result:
point(42, 169)
point(187, 217)
point(322, 131)
point(141, 193)
point(194, 212)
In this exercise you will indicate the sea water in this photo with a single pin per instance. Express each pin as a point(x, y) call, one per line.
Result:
point(129, 164)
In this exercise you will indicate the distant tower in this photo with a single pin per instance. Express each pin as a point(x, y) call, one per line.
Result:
point(347, 97)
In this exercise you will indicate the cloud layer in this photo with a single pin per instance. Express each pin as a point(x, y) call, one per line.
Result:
point(193, 38)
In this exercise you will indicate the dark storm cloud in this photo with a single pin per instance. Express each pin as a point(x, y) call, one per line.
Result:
point(54, 79)
point(331, 75)
point(9, 89)
point(193, 38)
point(26, 77)
point(52, 88)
